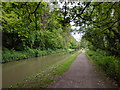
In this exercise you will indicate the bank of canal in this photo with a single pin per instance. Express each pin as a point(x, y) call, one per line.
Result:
point(17, 71)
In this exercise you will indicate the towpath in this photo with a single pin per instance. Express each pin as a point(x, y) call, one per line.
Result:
point(82, 74)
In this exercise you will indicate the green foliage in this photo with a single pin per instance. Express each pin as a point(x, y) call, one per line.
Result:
point(99, 21)
point(109, 64)
point(103, 32)
point(29, 27)
point(12, 55)
point(83, 43)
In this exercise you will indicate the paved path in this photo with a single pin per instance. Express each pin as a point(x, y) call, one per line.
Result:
point(82, 75)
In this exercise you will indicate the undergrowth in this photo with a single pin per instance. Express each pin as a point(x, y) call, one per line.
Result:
point(109, 64)
point(12, 55)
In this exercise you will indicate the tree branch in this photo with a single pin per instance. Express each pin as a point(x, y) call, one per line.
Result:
point(36, 8)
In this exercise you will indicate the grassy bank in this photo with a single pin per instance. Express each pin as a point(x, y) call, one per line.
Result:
point(109, 64)
point(46, 77)
point(12, 55)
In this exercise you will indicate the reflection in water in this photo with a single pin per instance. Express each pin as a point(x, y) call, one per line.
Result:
point(16, 71)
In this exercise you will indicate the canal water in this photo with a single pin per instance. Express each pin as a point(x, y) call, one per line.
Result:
point(16, 71)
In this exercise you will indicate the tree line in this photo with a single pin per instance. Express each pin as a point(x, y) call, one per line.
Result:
point(99, 21)
point(42, 25)
point(34, 25)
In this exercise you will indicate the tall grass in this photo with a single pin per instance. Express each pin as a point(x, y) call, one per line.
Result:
point(109, 64)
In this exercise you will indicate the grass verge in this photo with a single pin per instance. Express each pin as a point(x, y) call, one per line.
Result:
point(45, 78)
point(110, 65)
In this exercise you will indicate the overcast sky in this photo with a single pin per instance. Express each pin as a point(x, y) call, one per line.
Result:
point(76, 35)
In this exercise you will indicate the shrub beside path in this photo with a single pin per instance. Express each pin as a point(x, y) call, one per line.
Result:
point(82, 75)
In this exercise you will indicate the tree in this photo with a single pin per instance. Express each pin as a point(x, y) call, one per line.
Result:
point(101, 23)
point(33, 25)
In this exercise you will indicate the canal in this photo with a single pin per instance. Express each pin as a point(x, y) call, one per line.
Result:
point(16, 71)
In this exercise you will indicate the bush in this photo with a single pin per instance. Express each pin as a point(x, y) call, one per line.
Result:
point(109, 64)
point(12, 55)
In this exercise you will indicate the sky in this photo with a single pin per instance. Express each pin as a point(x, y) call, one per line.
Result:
point(76, 35)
